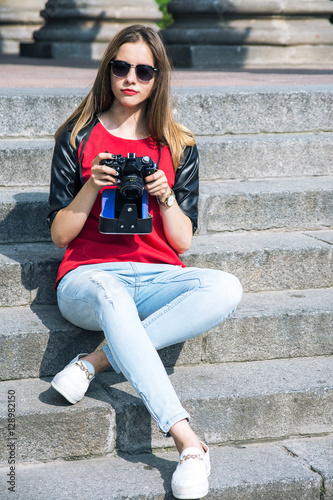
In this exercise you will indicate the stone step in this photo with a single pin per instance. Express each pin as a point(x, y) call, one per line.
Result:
point(37, 341)
point(236, 402)
point(294, 469)
point(255, 110)
point(228, 403)
point(268, 260)
point(262, 156)
point(207, 111)
point(23, 213)
point(262, 261)
point(27, 273)
point(26, 162)
point(293, 204)
point(47, 428)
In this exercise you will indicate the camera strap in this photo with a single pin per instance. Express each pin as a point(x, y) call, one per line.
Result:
point(160, 146)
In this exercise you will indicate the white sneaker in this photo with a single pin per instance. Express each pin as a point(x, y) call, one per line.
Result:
point(73, 381)
point(190, 479)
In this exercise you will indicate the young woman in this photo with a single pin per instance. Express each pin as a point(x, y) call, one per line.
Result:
point(134, 287)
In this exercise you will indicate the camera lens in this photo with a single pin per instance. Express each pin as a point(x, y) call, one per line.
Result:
point(131, 187)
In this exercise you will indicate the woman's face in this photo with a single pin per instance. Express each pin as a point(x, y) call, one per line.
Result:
point(130, 91)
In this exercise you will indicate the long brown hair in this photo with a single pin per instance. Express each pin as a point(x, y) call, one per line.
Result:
point(160, 122)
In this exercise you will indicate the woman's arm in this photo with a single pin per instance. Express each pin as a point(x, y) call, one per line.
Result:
point(177, 226)
point(186, 186)
point(179, 220)
point(70, 220)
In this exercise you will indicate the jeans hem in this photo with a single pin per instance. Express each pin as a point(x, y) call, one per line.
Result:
point(182, 416)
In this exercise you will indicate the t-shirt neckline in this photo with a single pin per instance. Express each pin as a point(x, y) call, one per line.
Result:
point(146, 139)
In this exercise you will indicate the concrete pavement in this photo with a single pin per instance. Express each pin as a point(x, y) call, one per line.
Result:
point(20, 72)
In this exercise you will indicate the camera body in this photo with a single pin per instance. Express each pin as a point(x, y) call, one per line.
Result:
point(132, 173)
point(125, 207)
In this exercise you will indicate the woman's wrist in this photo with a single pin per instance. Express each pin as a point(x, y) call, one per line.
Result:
point(91, 185)
point(168, 200)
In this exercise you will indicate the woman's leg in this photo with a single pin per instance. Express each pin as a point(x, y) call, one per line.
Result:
point(166, 297)
point(175, 304)
point(96, 299)
point(181, 303)
point(167, 303)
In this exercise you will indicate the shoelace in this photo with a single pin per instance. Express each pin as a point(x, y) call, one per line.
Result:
point(84, 369)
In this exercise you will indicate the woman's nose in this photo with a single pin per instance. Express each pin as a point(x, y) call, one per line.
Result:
point(131, 75)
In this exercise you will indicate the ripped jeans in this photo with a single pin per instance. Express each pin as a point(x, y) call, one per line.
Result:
point(142, 308)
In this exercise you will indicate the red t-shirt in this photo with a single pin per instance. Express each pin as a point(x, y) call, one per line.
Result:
point(92, 247)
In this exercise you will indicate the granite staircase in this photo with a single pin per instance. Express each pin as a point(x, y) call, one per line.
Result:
point(259, 387)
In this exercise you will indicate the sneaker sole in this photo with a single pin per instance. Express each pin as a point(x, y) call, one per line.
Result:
point(190, 493)
point(63, 393)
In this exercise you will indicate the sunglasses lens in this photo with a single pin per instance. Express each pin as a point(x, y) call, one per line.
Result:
point(120, 69)
point(144, 73)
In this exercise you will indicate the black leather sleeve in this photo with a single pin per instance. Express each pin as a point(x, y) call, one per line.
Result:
point(66, 179)
point(65, 175)
point(186, 185)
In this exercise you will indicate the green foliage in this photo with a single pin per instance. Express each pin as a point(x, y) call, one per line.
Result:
point(167, 18)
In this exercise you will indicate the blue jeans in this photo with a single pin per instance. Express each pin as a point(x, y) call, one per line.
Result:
point(142, 308)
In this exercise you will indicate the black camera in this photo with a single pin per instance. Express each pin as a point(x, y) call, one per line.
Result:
point(132, 173)
point(125, 207)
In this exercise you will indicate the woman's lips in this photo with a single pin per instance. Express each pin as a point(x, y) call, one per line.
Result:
point(129, 92)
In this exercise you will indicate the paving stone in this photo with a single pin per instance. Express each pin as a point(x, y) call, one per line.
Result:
point(236, 402)
point(70, 73)
point(317, 455)
point(242, 395)
point(48, 427)
point(20, 108)
point(326, 236)
point(254, 472)
point(262, 471)
point(14, 275)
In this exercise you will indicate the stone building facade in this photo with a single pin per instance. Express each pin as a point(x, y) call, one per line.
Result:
point(205, 33)
point(260, 33)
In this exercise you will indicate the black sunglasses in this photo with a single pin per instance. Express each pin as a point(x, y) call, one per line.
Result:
point(144, 72)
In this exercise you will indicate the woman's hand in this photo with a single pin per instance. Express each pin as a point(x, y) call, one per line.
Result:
point(70, 220)
point(102, 175)
point(157, 185)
